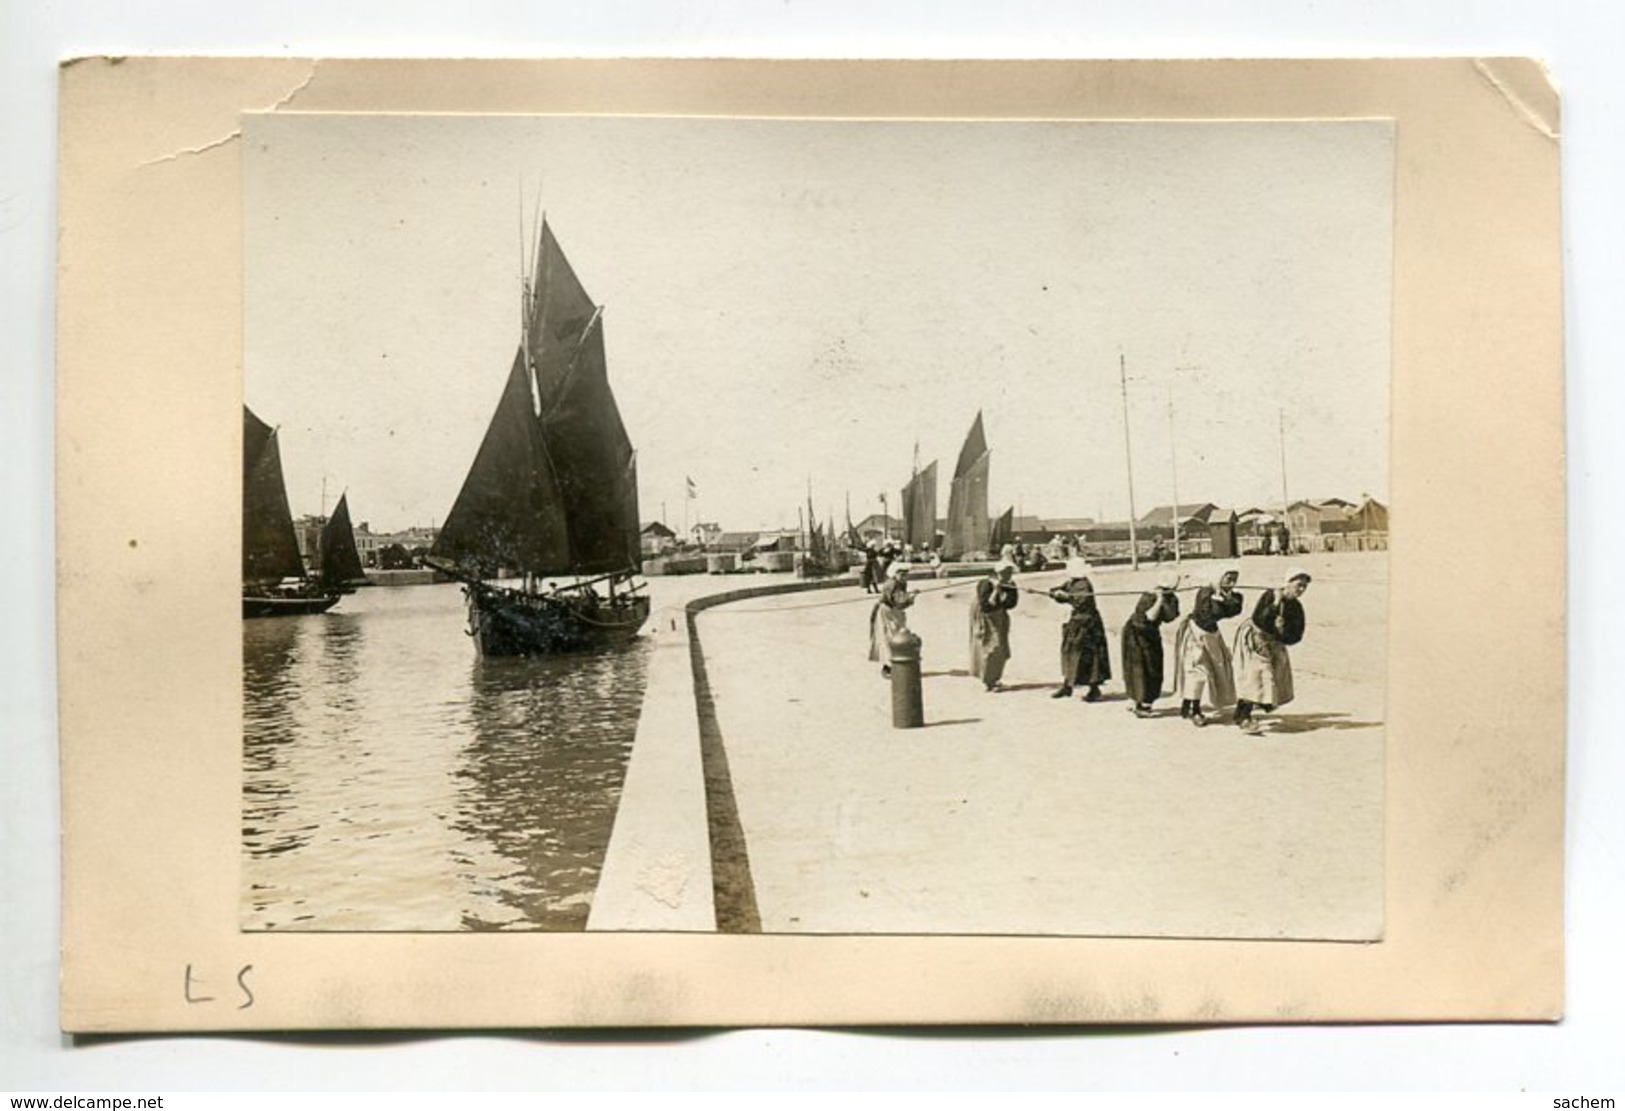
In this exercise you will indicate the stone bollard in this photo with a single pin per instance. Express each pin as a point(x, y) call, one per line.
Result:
point(907, 703)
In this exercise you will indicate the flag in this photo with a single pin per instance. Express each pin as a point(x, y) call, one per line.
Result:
point(693, 491)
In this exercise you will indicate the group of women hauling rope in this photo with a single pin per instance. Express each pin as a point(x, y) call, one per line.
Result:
point(1255, 676)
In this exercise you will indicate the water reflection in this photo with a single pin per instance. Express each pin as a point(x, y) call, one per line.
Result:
point(392, 781)
point(543, 775)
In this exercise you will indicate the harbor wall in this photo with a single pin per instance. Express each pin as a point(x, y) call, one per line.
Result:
point(671, 852)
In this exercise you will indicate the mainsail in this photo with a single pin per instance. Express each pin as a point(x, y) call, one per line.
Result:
point(339, 563)
point(968, 526)
point(553, 489)
point(270, 548)
point(920, 508)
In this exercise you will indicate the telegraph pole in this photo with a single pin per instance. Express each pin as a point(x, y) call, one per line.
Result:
point(1173, 462)
point(1286, 506)
point(1128, 456)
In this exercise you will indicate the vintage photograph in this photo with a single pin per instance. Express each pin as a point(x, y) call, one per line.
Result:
point(801, 526)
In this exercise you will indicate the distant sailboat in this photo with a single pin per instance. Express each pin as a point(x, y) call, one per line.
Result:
point(553, 490)
point(920, 508)
point(969, 530)
point(274, 579)
point(338, 563)
point(817, 551)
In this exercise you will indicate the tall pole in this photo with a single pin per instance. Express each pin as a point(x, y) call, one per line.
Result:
point(885, 517)
point(1286, 505)
point(1128, 456)
point(1173, 462)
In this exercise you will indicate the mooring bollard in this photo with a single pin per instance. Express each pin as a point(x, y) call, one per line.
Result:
point(907, 703)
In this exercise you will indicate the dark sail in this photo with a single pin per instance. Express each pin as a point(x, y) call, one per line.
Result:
point(593, 462)
point(553, 489)
point(340, 563)
point(270, 549)
point(509, 513)
point(968, 526)
point(920, 508)
point(975, 447)
point(560, 312)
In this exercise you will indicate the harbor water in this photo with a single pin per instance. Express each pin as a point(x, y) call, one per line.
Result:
point(394, 780)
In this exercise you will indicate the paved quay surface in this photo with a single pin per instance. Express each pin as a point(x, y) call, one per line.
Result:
point(1016, 813)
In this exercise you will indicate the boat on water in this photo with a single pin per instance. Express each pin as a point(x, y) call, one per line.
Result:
point(551, 499)
point(275, 582)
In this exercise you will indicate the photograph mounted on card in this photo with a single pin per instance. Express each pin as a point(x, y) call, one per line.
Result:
point(599, 519)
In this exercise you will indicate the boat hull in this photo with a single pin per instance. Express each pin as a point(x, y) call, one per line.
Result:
point(507, 622)
point(272, 606)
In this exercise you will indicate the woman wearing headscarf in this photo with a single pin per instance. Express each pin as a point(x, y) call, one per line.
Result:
point(1142, 643)
point(1084, 659)
point(870, 576)
point(888, 618)
point(1263, 665)
point(990, 624)
point(1201, 661)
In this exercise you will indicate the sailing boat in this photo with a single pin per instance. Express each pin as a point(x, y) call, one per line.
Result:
point(920, 508)
point(274, 579)
point(553, 490)
point(338, 563)
point(817, 553)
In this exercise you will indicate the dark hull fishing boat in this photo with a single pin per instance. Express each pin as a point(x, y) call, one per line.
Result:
point(274, 580)
point(552, 496)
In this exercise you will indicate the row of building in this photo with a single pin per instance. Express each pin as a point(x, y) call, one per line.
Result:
point(1331, 524)
point(382, 551)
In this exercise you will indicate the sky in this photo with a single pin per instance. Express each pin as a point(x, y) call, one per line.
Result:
point(804, 301)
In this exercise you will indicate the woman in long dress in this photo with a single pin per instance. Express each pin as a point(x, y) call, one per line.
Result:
point(889, 618)
point(1263, 664)
point(990, 625)
point(1142, 644)
point(1202, 666)
point(1085, 661)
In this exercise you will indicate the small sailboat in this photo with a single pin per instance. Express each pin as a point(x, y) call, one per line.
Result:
point(552, 496)
point(920, 508)
point(338, 563)
point(274, 580)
